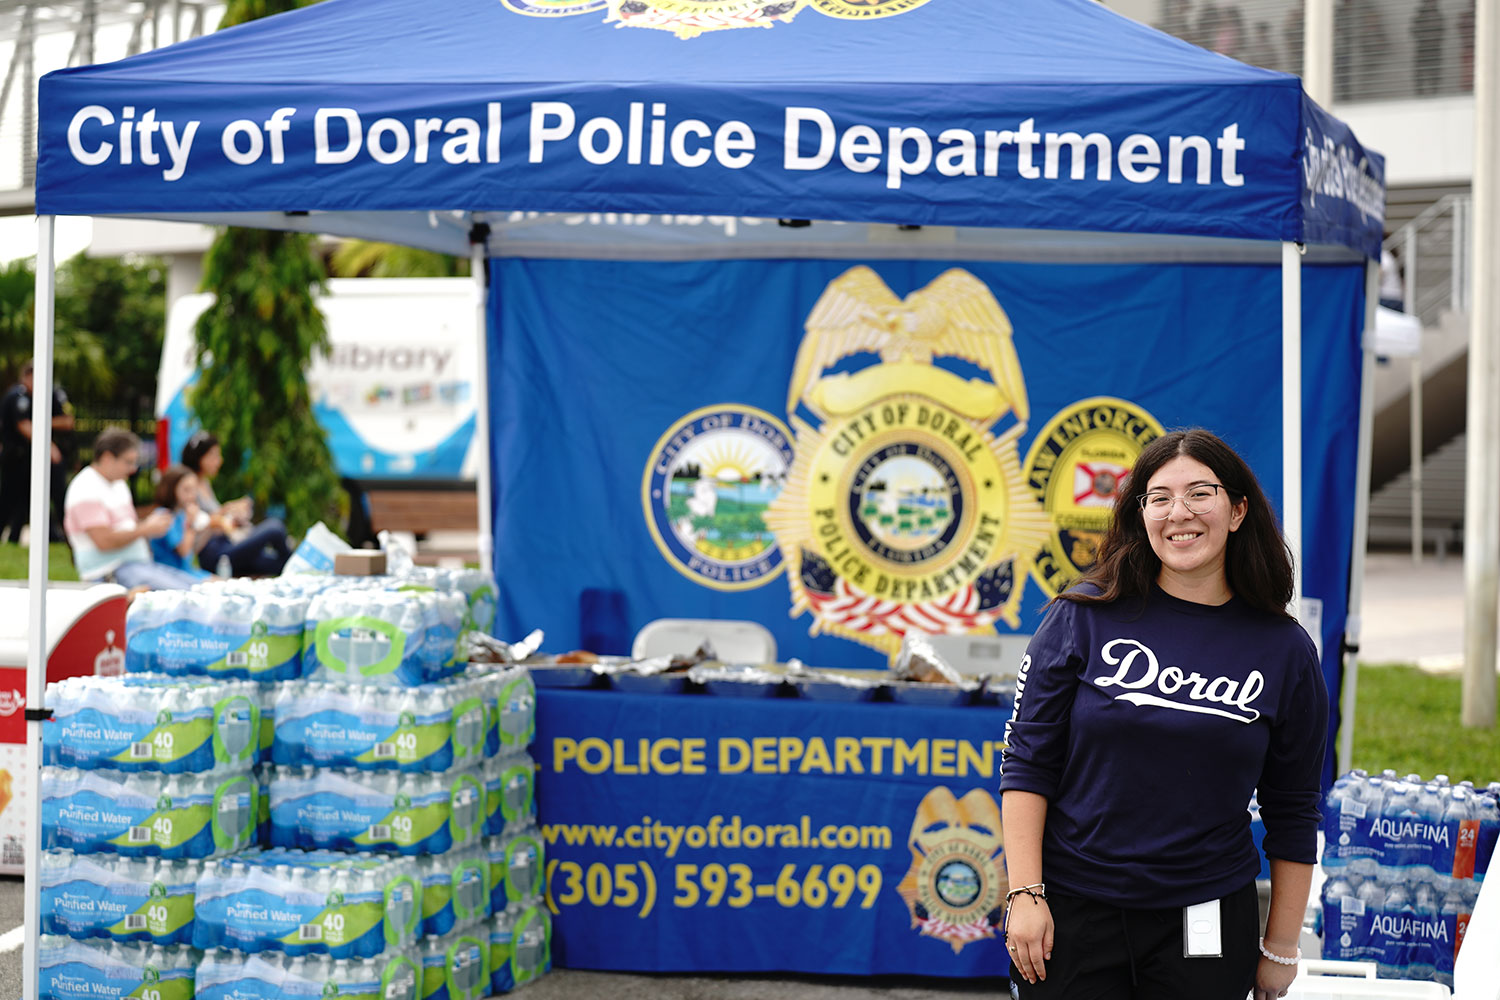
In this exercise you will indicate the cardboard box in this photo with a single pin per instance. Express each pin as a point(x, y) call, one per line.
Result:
point(360, 562)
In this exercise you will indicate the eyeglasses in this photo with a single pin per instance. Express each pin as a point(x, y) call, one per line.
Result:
point(1198, 500)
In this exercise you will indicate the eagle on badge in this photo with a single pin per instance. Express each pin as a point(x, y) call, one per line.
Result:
point(906, 510)
point(956, 316)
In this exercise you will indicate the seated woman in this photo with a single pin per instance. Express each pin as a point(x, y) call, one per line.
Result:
point(177, 494)
point(252, 549)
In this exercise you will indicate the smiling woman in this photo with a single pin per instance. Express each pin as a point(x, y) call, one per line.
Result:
point(1170, 675)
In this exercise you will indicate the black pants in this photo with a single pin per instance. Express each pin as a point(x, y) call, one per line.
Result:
point(1102, 952)
point(15, 497)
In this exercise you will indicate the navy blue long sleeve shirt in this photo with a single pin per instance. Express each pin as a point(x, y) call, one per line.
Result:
point(1148, 728)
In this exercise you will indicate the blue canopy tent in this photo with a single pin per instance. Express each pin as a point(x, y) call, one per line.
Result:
point(910, 130)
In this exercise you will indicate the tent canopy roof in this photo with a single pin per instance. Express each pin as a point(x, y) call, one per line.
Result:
point(1009, 113)
point(380, 42)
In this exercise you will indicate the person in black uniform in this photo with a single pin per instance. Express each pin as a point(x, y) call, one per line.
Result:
point(15, 456)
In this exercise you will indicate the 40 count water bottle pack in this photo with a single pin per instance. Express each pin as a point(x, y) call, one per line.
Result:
point(301, 790)
point(1404, 859)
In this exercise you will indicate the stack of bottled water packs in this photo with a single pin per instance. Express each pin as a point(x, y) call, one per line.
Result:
point(1404, 859)
point(144, 778)
point(303, 778)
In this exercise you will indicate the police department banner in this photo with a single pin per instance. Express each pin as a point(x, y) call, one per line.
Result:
point(764, 835)
point(1058, 115)
point(847, 452)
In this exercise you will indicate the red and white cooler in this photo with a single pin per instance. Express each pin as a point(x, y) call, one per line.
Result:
point(85, 635)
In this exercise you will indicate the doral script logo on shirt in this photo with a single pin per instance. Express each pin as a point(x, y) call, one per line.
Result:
point(1147, 683)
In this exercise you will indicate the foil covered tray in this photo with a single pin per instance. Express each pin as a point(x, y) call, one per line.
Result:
point(932, 695)
point(738, 680)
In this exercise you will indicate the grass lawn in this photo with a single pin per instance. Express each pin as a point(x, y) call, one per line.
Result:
point(1409, 720)
point(13, 562)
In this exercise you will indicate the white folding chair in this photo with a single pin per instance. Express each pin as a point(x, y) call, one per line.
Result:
point(1318, 979)
point(1476, 974)
point(732, 641)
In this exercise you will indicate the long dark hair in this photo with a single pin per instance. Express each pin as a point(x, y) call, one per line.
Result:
point(200, 444)
point(166, 488)
point(1257, 561)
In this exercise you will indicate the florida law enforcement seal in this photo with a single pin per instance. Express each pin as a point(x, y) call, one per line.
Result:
point(905, 510)
point(708, 484)
point(955, 888)
point(1076, 468)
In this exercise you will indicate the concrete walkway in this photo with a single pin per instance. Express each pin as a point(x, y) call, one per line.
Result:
point(1413, 613)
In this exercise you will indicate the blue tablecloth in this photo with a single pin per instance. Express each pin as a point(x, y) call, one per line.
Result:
point(708, 833)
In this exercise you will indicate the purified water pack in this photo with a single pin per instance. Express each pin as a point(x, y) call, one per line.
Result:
point(520, 946)
point(132, 900)
point(149, 814)
point(151, 723)
point(457, 966)
point(517, 867)
point(392, 638)
point(346, 906)
point(215, 631)
point(430, 727)
point(230, 975)
point(380, 811)
point(455, 890)
point(100, 970)
point(509, 792)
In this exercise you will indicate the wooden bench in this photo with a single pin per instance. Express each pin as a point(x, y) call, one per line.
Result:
point(422, 512)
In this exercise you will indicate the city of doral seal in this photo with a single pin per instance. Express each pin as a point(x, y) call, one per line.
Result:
point(905, 509)
point(955, 888)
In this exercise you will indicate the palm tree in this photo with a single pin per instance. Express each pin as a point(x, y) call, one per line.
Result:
point(80, 360)
point(365, 259)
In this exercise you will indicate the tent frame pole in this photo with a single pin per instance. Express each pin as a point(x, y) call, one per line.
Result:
point(479, 271)
point(36, 630)
point(1354, 619)
point(1291, 413)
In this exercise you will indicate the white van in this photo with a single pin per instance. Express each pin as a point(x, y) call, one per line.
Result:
point(395, 394)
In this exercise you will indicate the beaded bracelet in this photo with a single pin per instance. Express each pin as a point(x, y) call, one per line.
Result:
point(1280, 959)
point(1037, 890)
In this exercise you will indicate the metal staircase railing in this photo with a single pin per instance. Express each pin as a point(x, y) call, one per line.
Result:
point(1433, 251)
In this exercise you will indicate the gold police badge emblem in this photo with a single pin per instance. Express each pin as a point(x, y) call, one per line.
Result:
point(691, 18)
point(905, 509)
point(955, 888)
point(1076, 468)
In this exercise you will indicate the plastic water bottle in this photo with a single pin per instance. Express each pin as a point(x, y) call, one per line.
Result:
point(1487, 811)
point(1454, 850)
point(1399, 912)
point(1427, 900)
point(1399, 820)
point(1434, 836)
point(1371, 893)
point(1445, 946)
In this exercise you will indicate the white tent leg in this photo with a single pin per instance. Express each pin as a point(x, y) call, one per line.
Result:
point(478, 267)
point(1355, 619)
point(1291, 412)
point(36, 626)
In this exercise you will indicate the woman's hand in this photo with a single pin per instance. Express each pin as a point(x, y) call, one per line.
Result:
point(1028, 936)
point(1272, 980)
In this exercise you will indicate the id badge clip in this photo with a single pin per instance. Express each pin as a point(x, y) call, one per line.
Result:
point(1201, 931)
